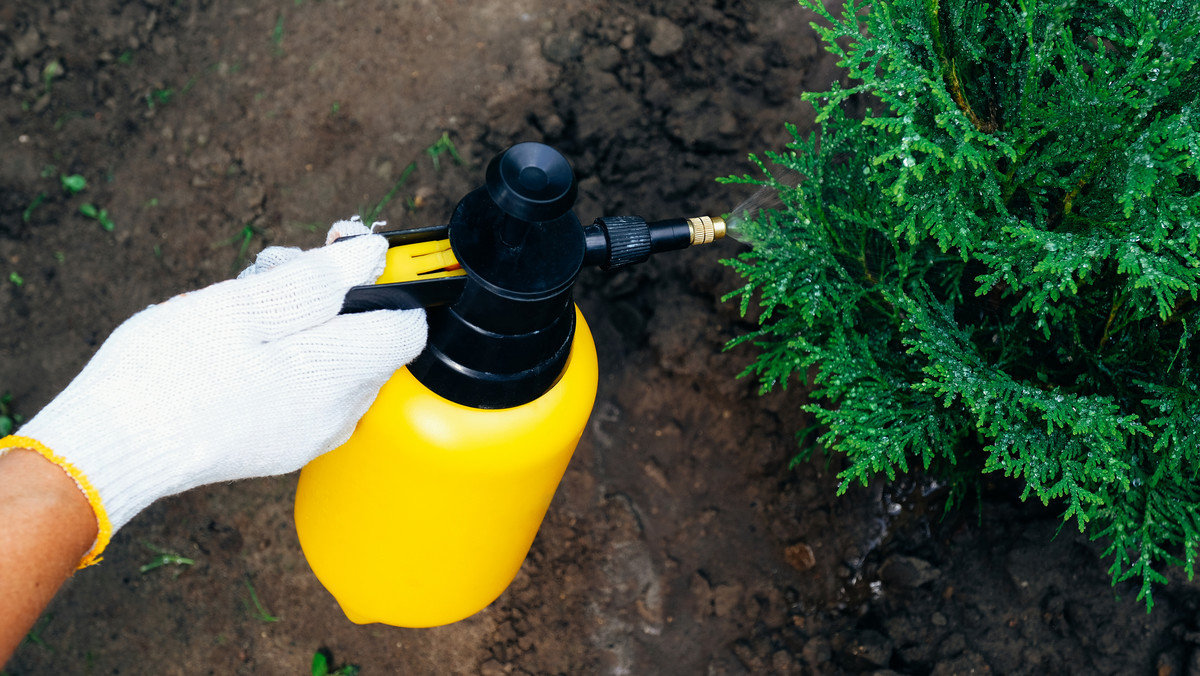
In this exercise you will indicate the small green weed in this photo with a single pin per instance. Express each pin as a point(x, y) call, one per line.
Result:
point(38, 201)
point(443, 146)
point(8, 418)
point(277, 36)
point(259, 612)
point(50, 73)
point(73, 184)
point(35, 635)
point(373, 215)
point(99, 215)
point(242, 240)
point(16, 279)
point(165, 558)
point(322, 666)
point(67, 117)
point(157, 98)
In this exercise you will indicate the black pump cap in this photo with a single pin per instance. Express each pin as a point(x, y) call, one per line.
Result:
point(532, 182)
point(506, 339)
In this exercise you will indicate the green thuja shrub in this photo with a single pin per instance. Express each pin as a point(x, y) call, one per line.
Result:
point(997, 270)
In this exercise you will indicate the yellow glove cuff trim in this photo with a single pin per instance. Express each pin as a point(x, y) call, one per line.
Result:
point(103, 525)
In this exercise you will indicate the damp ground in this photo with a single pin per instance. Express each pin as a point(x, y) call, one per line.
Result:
point(681, 540)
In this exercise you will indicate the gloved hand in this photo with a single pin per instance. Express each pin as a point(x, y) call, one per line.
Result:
point(250, 377)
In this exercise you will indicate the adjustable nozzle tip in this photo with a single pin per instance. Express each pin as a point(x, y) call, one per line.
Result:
point(706, 229)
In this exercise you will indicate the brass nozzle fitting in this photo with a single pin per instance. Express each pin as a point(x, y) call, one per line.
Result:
point(706, 229)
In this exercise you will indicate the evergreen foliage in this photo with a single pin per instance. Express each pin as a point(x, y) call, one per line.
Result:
point(998, 268)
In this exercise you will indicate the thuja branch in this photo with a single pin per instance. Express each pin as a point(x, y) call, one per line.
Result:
point(1019, 297)
point(949, 72)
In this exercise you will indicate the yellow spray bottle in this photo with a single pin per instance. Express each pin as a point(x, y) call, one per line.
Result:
point(425, 515)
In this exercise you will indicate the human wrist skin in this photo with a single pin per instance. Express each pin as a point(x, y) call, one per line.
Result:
point(104, 528)
point(47, 525)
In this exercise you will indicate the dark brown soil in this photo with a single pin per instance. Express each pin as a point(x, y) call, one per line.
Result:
point(680, 541)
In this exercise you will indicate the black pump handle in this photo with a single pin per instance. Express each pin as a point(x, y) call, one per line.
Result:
point(403, 295)
point(408, 295)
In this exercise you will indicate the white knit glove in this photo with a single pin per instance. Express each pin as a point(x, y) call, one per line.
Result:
point(249, 377)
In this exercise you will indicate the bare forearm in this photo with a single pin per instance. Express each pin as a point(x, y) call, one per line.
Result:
point(48, 527)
